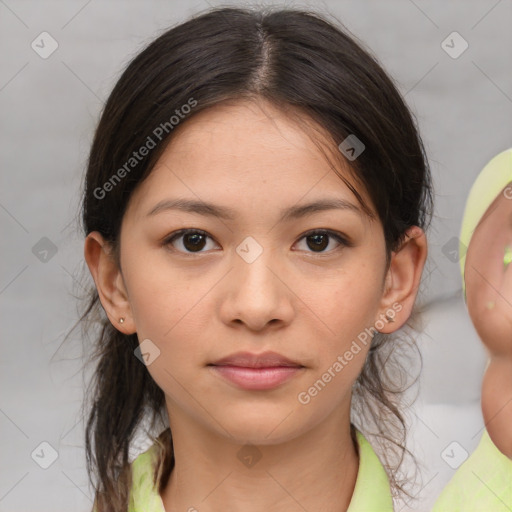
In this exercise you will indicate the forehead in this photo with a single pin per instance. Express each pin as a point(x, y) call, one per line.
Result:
point(247, 149)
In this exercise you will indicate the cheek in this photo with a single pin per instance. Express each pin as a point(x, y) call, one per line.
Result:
point(341, 319)
point(167, 311)
point(161, 298)
point(349, 304)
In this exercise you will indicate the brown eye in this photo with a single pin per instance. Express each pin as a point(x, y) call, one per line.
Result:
point(317, 241)
point(192, 240)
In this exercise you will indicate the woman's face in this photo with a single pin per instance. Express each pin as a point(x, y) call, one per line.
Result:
point(252, 280)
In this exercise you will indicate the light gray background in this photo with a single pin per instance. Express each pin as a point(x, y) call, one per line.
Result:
point(49, 108)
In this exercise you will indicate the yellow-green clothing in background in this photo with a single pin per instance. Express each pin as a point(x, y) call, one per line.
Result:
point(482, 484)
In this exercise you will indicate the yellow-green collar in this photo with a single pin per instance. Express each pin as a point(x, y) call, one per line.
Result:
point(371, 493)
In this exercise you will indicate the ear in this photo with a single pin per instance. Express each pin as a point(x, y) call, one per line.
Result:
point(402, 280)
point(109, 282)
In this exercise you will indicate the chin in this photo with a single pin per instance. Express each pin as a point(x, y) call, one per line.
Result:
point(262, 428)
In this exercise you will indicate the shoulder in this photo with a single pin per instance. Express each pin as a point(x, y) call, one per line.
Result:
point(483, 482)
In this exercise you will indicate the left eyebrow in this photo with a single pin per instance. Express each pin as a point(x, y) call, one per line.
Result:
point(223, 212)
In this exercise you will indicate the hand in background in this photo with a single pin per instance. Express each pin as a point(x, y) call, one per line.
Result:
point(489, 300)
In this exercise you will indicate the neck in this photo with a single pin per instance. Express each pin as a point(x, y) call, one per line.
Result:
point(316, 470)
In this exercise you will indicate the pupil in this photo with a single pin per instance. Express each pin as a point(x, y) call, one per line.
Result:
point(195, 240)
point(318, 241)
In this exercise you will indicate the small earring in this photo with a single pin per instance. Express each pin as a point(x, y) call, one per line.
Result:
point(121, 320)
point(390, 319)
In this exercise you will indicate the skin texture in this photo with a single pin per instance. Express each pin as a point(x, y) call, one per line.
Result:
point(489, 301)
point(306, 305)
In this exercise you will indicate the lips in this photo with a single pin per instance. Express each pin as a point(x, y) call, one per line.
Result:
point(250, 360)
point(257, 379)
point(256, 372)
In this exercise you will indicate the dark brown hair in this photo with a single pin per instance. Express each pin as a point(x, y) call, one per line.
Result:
point(309, 68)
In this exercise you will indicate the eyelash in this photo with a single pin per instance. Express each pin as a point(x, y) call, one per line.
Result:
point(343, 241)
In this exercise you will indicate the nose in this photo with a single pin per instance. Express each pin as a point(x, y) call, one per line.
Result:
point(257, 293)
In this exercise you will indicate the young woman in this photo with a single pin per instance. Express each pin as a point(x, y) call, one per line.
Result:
point(255, 209)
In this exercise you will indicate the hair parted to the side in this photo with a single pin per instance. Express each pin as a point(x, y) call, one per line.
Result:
point(309, 68)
